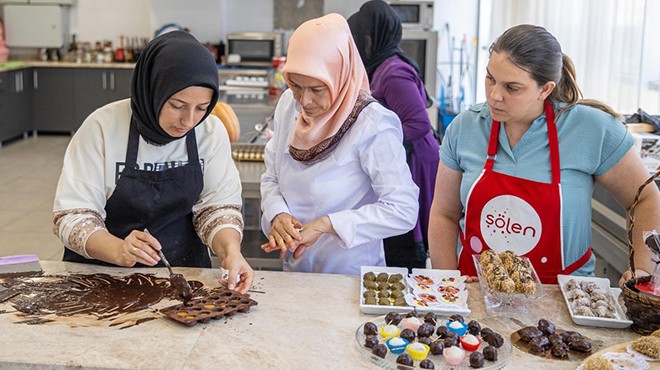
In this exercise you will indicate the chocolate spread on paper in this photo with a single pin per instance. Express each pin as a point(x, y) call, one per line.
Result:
point(40, 298)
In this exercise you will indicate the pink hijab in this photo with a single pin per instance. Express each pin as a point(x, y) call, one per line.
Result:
point(323, 48)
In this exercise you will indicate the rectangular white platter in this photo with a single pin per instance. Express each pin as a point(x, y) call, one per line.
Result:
point(618, 323)
point(384, 309)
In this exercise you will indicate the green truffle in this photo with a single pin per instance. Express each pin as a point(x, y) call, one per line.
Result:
point(369, 276)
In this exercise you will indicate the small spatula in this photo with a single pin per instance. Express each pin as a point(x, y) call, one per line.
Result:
point(177, 280)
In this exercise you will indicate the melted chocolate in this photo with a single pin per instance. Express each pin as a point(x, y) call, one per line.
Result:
point(35, 295)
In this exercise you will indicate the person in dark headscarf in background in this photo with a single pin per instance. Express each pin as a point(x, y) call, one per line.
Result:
point(395, 82)
point(158, 162)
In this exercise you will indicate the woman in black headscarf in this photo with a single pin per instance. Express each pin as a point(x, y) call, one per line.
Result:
point(156, 162)
point(395, 82)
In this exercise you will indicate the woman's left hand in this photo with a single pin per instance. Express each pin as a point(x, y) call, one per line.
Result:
point(240, 274)
point(310, 234)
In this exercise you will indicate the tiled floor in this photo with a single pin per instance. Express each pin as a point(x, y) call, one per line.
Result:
point(29, 170)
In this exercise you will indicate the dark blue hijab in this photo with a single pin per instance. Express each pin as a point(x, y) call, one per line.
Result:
point(168, 64)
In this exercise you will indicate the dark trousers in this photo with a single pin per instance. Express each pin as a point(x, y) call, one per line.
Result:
point(402, 251)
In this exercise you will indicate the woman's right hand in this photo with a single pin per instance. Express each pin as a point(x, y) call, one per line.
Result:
point(284, 234)
point(140, 247)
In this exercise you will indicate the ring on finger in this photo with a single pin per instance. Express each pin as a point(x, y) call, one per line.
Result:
point(134, 250)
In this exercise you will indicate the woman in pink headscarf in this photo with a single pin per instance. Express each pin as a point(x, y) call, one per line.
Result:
point(336, 180)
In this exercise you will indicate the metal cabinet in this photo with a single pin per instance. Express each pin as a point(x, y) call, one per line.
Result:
point(16, 112)
point(52, 99)
point(95, 87)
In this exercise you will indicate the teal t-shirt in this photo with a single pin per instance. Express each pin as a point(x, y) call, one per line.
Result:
point(590, 143)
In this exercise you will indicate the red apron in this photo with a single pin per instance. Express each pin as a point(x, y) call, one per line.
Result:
point(510, 213)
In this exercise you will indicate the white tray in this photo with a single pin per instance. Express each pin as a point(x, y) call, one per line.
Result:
point(445, 309)
point(619, 323)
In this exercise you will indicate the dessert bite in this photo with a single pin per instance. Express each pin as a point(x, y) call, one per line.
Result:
point(476, 360)
point(389, 331)
point(417, 351)
point(469, 342)
point(397, 345)
point(454, 355)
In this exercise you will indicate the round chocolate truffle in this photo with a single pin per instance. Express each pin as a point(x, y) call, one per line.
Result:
point(370, 341)
point(474, 327)
point(425, 330)
point(436, 347)
point(370, 328)
point(442, 331)
point(413, 313)
point(495, 340)
point(458, 318)
point(450, 341)
point(424, 340)
point(476, 360)
point(547, 327)
point(485, 332)
point(379, 350)
point(369, 293)
point(369, 276)
point(392, 318)
point(431, 318)
point(394, 278)
point(426, 364)
point(404, 359)
point(407, 334)
point(490, 353)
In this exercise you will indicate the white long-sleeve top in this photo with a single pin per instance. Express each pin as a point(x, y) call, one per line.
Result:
point(97, 153)
point(364, 186)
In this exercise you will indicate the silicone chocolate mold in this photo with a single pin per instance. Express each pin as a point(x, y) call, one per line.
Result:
point(220, 302)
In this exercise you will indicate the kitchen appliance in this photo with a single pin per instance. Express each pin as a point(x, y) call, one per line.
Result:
point(417, 14)
point(253, 49)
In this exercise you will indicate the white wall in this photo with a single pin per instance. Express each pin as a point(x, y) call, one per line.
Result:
point(94, 20)
point(456, 20)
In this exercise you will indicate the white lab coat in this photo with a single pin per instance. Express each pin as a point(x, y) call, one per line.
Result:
point(364, 186)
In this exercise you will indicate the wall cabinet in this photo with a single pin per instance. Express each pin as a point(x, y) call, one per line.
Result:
point(95, 88)
point(52, 99)
point(16, 105)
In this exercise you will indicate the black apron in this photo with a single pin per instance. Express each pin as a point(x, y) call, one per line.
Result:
point(160, 201)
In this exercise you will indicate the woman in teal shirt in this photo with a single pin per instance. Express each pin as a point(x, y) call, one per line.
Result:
point(517, 172)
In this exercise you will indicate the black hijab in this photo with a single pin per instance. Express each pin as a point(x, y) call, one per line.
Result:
point(167, 65)
point(377, 20)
